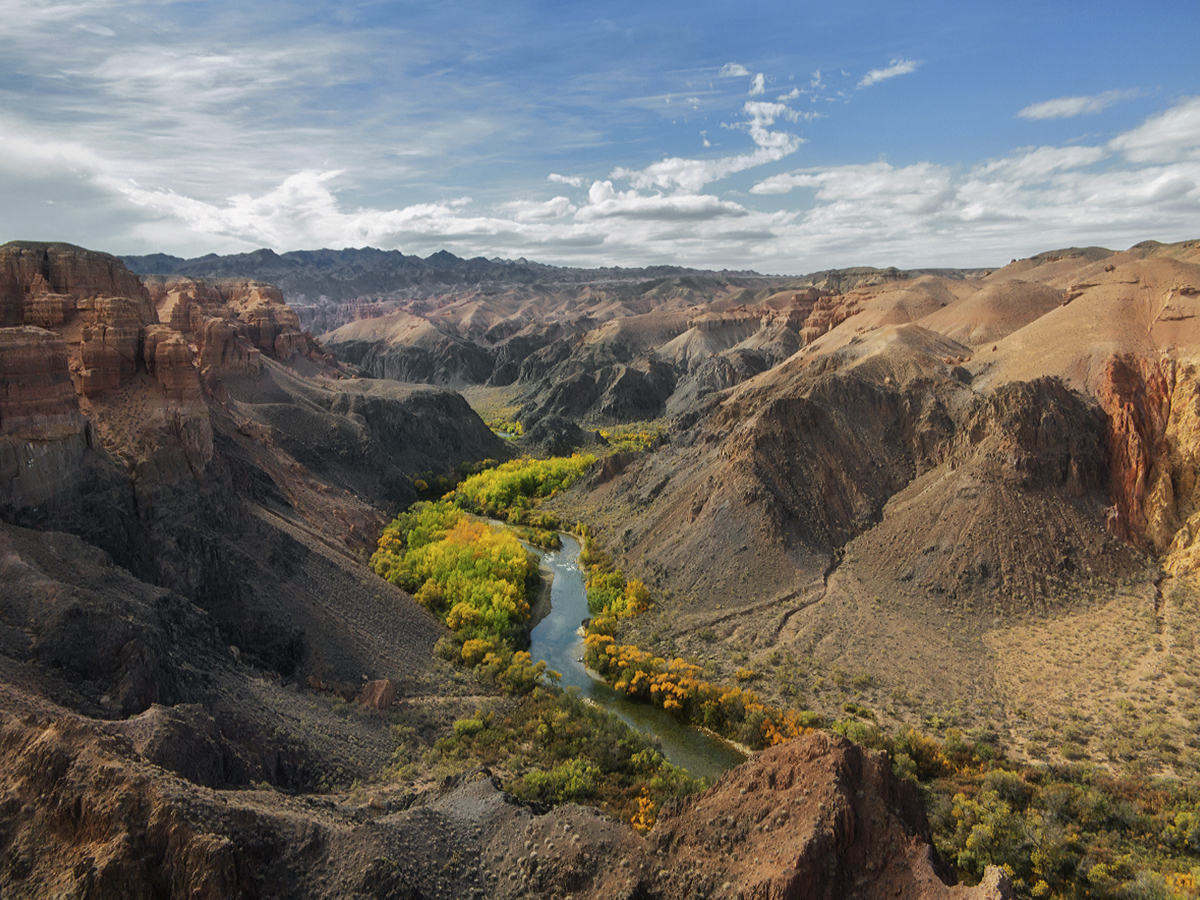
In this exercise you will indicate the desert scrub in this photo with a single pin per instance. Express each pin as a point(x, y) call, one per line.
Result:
point(477, 578)
point(551, 747)
point(506, 426)
point(1069, 832)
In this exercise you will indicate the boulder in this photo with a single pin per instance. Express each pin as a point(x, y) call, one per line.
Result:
point(377, 694)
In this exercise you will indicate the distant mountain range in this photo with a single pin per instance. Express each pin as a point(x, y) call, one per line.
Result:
point(324, 276)
point(337, 275)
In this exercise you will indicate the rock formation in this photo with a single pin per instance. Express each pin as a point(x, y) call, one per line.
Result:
point(817, 818)
point(43, 435)
point(30, 270)
point(233, 323)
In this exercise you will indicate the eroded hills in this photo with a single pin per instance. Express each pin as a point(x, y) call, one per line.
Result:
point(961, 498)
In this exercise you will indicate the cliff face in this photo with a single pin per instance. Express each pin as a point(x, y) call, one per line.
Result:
point(37, 282)
point(82, 324)
point(43, 435)
point(1153, 411)
point(233, 323)
point(159, 425)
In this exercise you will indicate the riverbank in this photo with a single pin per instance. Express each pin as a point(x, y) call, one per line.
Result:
point(557, 641)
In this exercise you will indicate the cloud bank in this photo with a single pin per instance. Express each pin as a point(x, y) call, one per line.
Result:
point(225, 127)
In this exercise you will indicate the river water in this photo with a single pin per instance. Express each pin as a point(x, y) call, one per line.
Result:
point(556, 640)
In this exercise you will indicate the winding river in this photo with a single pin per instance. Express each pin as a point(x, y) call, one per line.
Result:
point(556, 640)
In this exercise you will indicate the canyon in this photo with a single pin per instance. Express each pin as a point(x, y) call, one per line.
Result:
point(941, 496)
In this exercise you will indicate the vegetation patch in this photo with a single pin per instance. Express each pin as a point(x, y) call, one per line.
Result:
point(634, 437)
point(1059, 831)
point(478, 579)
point(610, 594)
point(551, 747)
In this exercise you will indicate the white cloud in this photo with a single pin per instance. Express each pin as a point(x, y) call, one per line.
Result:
point(929, 214)
point(790, 95)
point(538, 211)
point(21, 151)
point(101, 30)
point(1069, 107)
point(1170, 137)
point(690, 175)
point(1033, 165)
point(572, 180)
point(733, 70)
point(607, 202)
point(758, 85)
point(897, 67)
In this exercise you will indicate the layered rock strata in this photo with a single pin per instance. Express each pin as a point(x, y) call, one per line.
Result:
point(43, 435)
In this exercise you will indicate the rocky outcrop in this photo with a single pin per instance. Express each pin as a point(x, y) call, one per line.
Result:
point(377, 694)
point(83, 817)
point(233, 323)
point(36, 277)
point(110, 349)
point(827, 313)
point(48, 310)
point(224, 349)
point(102, 304)
point(90, 812)
point(816, 818)
point(1013, 520)
point(261, 308)
point(169, 358)
point(1153, 409)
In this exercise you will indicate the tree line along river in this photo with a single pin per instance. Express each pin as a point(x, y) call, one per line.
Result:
point(556, 639)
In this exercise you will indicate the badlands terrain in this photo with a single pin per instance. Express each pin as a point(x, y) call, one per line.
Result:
point(956, 505)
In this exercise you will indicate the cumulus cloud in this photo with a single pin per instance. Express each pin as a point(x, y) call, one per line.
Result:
point(875, 213)
point(607, 202)
point(690, 175)
point(897, 67)
point(1037, 164)
point(302, 211)
point(758, 85)
point(1069, 107)
point(572, 180)
point(733, 70)
point(1035, 197)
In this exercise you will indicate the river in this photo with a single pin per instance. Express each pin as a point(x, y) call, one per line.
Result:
point(556, 640)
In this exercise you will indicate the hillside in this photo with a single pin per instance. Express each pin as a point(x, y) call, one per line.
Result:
point(958, 502)
point(952, 480)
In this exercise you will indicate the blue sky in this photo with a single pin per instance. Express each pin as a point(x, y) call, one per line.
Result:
point(782, 137)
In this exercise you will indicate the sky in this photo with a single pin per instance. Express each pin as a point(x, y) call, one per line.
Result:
point(783, 137)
